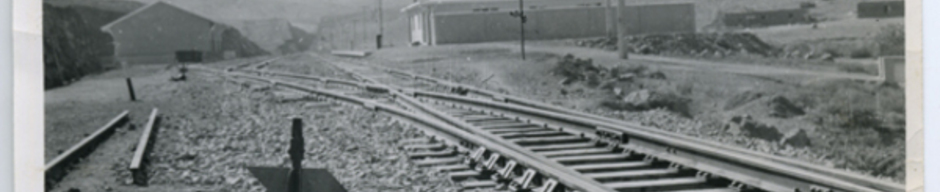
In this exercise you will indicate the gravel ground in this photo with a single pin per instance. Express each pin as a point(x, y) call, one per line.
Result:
point(213, 128)
point(306, 64)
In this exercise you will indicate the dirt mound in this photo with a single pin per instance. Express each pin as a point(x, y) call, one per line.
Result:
point(782, 107)
point(691, 44)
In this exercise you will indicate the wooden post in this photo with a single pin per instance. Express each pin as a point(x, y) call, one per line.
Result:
point(522, 19)
point(378, 41)
point(522, 27)
point(130, 89)
point(296, 152)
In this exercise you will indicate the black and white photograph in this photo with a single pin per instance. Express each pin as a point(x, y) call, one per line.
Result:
point(476, 95)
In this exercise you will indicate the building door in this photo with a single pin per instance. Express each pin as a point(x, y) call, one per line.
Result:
point(417, 30)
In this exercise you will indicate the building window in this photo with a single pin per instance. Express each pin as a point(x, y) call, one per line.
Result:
point(887, 9)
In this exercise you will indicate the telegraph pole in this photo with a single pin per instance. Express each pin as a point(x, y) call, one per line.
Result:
point(522, 19)
point(378, 38)
point(610, 20)
point(621, 32)
point(352, 34)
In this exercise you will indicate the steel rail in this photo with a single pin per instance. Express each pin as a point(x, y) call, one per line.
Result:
point(709, 159)
point(830, 181)
point(853, 177)
point(575, 180)
point(138, 166)
point(805, 178)
point(566, 175)
point(546, 167)
point(58, 167)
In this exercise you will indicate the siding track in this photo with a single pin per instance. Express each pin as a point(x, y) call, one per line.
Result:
point(493, 141)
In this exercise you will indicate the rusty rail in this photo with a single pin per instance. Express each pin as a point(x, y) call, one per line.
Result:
point(56, 169)
point(139, 163)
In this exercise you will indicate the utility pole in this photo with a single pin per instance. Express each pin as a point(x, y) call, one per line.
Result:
point(378, 38)
point(522, 19)
point(351, 34)
point(610, 20)
point(621, 32)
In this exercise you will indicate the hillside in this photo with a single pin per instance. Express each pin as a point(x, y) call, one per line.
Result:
point(73, 45)
point(357, 30)
point(123, 6)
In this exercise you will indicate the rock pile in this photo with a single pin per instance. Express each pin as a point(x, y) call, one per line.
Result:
point(716, 45)
point(646, 99)
point(575, 69)
point(745, 125)
point(783, 108)
point(694, 44)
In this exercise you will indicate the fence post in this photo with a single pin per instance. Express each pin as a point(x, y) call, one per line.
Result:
point(130, 89)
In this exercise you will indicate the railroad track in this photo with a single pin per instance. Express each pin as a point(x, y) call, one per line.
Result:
point(485, 141)
point(58, 168)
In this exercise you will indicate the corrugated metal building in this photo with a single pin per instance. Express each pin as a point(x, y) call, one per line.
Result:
point(767, 18)
point(435, 22)
point(154, 33)
point(880, 9)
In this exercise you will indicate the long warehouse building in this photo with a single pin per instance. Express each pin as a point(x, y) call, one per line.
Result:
point(434, 22)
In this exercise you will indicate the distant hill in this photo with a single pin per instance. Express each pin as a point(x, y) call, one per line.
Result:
point(357, 30)
point(123, 6)
point(303, 14)
point(277, 35)
point(267, 33)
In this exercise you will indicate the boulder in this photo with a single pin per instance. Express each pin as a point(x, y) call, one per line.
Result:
point(782, 108)
point(797, 138)
point(746, 126)
point(656, 75)
point(626, 77)
point(638, 98)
